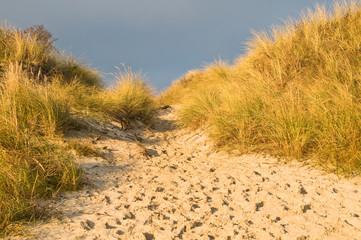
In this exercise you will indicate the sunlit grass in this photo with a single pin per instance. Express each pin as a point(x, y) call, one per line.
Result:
point(295, 94)
point(43, 93)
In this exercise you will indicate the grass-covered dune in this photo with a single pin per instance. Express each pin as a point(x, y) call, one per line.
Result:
point(43, 92)
point(296, 93)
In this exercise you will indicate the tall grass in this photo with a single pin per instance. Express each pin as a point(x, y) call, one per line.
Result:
point(295, 94)
point(42, 93)
point(33, 163)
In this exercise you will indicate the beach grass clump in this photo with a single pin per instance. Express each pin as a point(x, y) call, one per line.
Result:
point(296, 93)
point(130, 98)
point(33, 163)
point(43, 94)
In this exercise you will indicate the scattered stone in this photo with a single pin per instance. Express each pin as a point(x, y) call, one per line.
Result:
point(184, 229)
point(231, 217)
point(127, 206)
point(215, 189)
point(148, 236)
point(88, 225)
point(195, 206)
point(303, 191)
point(119, 232)
point(174, 167)
point(277, 219)
point(153, 207)
point(335, 190)
point(259, 205)
point(85, 226)
point(189, 158)
point(249, 222)
point(107, 226)
point(196, 224)
point(209, 199)
point(212, 170)
point(211, 237)
point(129, 215)
point(257, 173)
point(213, 210)
point(159, 189)
point(306, 208)
point(225, 203)
point(356, 215)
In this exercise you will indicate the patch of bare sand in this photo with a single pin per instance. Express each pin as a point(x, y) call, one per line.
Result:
point(167, 183)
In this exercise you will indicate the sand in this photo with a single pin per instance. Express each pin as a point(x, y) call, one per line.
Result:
point(167, 183)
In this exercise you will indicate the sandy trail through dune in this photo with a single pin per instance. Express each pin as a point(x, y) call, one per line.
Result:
point(172, 185)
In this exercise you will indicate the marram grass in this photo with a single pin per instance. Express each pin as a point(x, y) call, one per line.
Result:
point(296, 93)
point(42, 94)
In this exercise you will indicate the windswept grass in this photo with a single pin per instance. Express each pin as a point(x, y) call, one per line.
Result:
point(33, 163)
point(42, 93)
point(131, 98)
point(295, 94)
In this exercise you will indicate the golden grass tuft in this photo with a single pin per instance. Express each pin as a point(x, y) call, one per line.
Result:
point(42, 94)
point(295, 94)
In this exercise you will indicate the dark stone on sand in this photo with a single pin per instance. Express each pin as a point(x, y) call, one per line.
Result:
point(159, 189)
point(88, 225)
point(259, 205)
point(277, 219)
point(306, 208)
point(195, 206)
point(148, 236)
point(107, 199)
point(213, 210)
point(196, 224)
point(107, 226)
point(303, 190)
point(119, 232)
point(129, 215)
point(184, 229)
point(153, 207)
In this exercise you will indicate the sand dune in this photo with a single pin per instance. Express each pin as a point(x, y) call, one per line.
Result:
point(167, 183)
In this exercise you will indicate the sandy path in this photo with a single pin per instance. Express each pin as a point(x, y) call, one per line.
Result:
point(184, 190)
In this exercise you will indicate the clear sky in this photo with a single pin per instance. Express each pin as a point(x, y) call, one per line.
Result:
point(163, 38)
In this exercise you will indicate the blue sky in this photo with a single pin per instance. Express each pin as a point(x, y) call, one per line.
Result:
point(163, 38)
